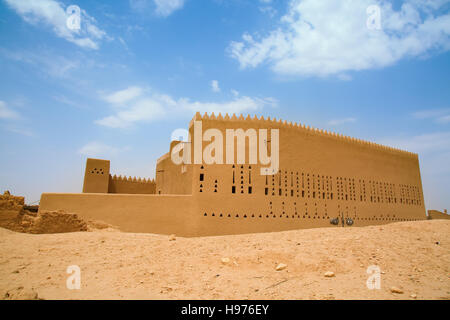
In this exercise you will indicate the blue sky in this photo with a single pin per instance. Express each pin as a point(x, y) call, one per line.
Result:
point(138, 69)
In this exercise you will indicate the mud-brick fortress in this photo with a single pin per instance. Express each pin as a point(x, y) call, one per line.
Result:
point(324, 180)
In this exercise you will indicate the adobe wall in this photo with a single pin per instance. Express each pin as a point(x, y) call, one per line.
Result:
point(131, 185)
point(178, 214)
point(11, 209)
point(96, 176)
point(97, 179)
point(435, 214)
point(172, 178)
point(165, 214)
point(322, 176)
point(168, 214)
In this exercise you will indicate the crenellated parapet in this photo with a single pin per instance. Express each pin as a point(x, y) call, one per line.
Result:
point(131, 185)
point(131, 179)
point(261, 121)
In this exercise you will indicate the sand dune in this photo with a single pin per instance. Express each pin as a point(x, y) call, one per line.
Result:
point(413, 257)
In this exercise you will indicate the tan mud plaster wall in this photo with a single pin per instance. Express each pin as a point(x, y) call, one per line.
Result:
point(131, 185)
point(131, 213)
point(96, 176)
point(322, 176)
point(97, 179)
point(172, 178)
point(435, 214)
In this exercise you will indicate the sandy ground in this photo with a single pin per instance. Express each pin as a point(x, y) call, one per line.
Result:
point(412, 256)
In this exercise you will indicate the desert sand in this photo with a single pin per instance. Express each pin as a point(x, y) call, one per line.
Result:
point(414, 257)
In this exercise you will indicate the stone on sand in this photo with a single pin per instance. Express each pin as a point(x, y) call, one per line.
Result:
point(396, 290)
point(281, 266)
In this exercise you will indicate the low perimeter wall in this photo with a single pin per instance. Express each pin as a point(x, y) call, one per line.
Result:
point(162, 214)
point(434, 214)
point(183, 215)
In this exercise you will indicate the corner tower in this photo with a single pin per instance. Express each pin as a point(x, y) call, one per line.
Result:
point(96, 176)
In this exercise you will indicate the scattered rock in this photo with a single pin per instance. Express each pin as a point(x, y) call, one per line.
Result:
point(25, 223)
point(56, 222)
point(14, 216)
point(329, 274)
point(225, 260)
point(21, 293)
point(396, 290)
point(413, 296)
point(172, 237)
point(281, 266)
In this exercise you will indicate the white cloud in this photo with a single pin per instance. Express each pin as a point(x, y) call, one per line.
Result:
point(99, 149)
point(238, 105)
point(51, 13)
point(444, 119)
point(268, 10)
point(12, 120)
point(167, 7)
point(145, 109)
point(124, 96)
point(438, 115)
point(328, 37)
point(151, 106)
point(425, 143)
point(344, 77)
point(20, 130)
point(63, 99)
point(139, 5)
point(55, 66)
point(337, 122)
point(215, 86)
point(6, 113)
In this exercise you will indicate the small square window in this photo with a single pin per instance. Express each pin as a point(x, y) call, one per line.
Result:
point(202, 176)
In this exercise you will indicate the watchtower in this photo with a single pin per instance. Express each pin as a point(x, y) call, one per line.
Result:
point(96, 176)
